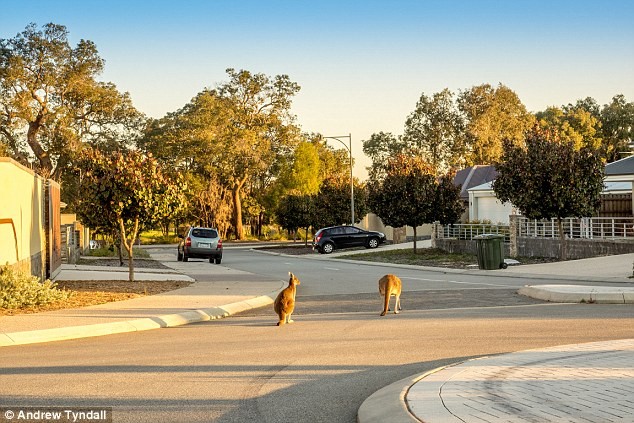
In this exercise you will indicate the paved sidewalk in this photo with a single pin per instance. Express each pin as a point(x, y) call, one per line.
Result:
point(591, 382)
point(218, 293)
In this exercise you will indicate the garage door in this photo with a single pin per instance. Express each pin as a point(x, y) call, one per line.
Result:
point(489, 208)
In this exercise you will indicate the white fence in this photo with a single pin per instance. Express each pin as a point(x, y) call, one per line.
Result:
point(586, 228)
point(469, 230)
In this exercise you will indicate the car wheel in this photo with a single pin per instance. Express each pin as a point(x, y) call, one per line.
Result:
point(373, 243)
point(179, 256)
point(328, 248)
point(218, 260)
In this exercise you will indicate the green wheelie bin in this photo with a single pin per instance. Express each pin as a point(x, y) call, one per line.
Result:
point(490, 251)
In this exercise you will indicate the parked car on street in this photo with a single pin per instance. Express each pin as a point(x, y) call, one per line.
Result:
point(202, 243)
point(336, 237)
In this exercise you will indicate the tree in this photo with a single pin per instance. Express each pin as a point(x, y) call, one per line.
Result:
point(572, 124)
point(51, 101)
point(617, 127)
point(125, 191)
point(296, 211)
point(406, 194)
point(492, 115)
point(435, 131)
point(379, 148)
point(448, 205)
point(550, 178)
point(332, 203)
point(258, 132)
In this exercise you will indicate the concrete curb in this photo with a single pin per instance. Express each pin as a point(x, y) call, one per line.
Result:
point(137, 325)
point(579, 294)
point(390, 403)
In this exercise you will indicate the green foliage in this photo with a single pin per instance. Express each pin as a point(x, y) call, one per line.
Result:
point(51, 100)
point(492, 115)
point(379, 148)
point(617, 127)
point(573, 125)
point(19, 290)
point(435, 131)
point(126, 191)
point(549, 178)
point(332, 203)
point(410, 194)
point(295, 211)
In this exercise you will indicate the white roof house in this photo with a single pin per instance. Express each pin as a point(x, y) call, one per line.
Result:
point(484, 205)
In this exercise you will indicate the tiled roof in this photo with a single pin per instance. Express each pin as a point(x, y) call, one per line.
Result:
point(620, 167)
point(474, 176)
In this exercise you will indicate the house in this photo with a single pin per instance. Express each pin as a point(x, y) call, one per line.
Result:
point(616, 197)
point(471, 177)
point(484, 205)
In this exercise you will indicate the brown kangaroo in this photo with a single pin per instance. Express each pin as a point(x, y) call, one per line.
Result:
point(390, 285)
point(285, 302)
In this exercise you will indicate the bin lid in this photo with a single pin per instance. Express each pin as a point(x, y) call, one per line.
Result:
point(488, 236)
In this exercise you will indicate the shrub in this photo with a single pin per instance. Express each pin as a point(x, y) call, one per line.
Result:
point(19, 290)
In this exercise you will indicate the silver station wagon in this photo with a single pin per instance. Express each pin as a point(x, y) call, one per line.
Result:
point(202, 243)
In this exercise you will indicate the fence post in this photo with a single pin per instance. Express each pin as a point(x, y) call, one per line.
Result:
point(513, 233)
point(435, 228)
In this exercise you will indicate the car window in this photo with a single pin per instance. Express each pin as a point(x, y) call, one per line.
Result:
point(336, 231)
point(204, 233)
point(352, 230)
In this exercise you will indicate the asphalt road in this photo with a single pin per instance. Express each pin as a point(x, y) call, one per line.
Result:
point(319, 369)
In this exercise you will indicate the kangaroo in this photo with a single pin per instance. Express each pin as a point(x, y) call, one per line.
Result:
point(285, 302)
point(390, 285)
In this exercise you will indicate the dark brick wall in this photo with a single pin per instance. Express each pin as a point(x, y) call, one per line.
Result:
point(545, 247)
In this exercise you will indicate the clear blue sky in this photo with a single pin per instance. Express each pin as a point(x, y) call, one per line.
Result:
point(362, 65)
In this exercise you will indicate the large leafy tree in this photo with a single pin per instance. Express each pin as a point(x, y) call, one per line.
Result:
point(259, 131)
point(573, 124)
point(332, 203)
point(492, 115)
point(239, 133)
point(549, 177)
point(51, 101)
point(379, 148)
point(296, 211)
point(408, 193)
point(125, 191)
point(435, 131)
point(617, 127)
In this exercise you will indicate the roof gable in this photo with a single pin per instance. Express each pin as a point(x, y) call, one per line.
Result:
point(474, 176)
point(620, 167)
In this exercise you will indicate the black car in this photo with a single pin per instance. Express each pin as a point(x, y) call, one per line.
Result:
point(202, 243)
point(336, 237)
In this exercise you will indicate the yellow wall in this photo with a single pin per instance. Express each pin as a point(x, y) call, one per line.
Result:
point(22, 237)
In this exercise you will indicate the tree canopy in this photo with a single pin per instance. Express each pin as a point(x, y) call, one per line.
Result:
point(410, 194)
point(51, 101)
point(125, 191)
point(549, 177)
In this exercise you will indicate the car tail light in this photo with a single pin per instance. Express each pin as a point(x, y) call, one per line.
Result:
point(188, 242)
point(219, 244)
point(318, 237)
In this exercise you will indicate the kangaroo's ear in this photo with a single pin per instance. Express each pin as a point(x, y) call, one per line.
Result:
point(290, 274)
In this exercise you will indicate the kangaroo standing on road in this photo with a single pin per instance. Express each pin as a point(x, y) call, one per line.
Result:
point(285, 302)
point(390, 285)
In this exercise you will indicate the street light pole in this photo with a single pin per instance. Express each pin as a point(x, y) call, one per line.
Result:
point(349, 148)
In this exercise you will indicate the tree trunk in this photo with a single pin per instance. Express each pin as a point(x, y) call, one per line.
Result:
point(128, 245)
point(414, 238)
point(237, 212)
point(46, 166)
point(562, 239)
